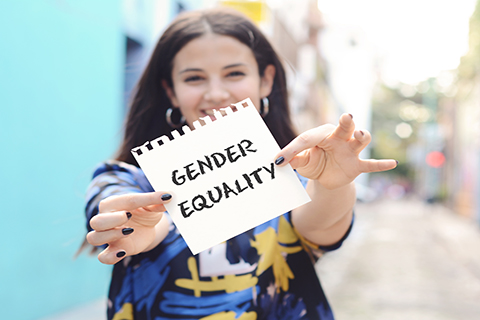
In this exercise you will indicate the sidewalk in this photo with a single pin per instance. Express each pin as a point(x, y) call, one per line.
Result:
point(405, 260)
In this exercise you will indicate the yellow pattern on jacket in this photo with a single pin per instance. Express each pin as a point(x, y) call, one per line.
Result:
point(273, 253)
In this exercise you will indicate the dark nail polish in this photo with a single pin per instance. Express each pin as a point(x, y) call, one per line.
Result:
point(127, 231)
point(129, 215)
point(279, 160)
point(121, 254)
point(166, 197)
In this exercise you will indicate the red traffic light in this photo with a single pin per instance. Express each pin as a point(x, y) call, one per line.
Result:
point(435, 159)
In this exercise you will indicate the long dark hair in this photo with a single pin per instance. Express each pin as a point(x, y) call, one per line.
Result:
point(146, 118)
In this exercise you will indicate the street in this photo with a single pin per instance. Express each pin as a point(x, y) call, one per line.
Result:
point(405, 259)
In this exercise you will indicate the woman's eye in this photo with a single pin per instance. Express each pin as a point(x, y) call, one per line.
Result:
point(235, 74)
point(193, 78)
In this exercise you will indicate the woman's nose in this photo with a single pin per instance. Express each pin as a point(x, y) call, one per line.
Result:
point(216, 92)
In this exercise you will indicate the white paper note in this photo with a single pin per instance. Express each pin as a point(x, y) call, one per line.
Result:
point(222, 176)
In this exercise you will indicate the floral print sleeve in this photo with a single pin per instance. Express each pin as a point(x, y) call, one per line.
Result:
point(113, 178)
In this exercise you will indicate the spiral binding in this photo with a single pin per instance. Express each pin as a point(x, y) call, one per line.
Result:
point(149, 145)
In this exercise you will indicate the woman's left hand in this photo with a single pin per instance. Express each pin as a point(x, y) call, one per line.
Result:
point(330, 154)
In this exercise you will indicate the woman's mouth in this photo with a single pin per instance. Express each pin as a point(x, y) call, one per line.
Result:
point(214, 111)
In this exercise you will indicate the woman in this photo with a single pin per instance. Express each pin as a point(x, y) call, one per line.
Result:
point(207, 60)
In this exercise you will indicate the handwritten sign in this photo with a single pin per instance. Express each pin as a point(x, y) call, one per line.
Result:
point(221, 175)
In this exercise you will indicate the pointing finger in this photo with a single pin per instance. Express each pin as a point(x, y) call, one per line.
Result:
point(111, 255)
point(111, 220)
point(361, 139)
point(96, 238)
point(377, 165)
point(133, 201)
point(345, 127)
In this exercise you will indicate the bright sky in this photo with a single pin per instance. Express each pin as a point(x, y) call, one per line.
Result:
point(416, 38)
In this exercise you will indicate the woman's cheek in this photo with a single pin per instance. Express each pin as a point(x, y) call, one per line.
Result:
point(189, 98)
point(247, 89)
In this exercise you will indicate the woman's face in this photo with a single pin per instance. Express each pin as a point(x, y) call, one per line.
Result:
point(214, 71)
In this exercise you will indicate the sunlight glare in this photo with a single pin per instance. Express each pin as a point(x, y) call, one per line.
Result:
point(415, 39)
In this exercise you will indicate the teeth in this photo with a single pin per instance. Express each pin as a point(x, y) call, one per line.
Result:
point(210, 112)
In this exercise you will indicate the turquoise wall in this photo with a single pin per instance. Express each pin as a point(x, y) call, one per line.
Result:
point(61, 82)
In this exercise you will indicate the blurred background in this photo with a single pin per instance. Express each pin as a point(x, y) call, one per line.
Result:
point(408, 71)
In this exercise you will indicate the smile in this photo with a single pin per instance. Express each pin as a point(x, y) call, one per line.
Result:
point(211, 112)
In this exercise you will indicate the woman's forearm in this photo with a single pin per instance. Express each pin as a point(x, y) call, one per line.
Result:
point(326, 218)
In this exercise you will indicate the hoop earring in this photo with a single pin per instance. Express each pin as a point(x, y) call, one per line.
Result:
point(264, 107)
point(168, 117)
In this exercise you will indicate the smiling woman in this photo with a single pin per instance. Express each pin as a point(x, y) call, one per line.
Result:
point(205, 61)
point(188, 66)
point(214, 71)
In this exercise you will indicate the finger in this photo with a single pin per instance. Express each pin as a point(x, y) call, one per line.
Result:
point(306, 140)
point(133, 201)
point(112, 255)
point(98, 238)
point(300, 160)
point(110, 220)
point(156, 208)
point(361, 139)
point(377, 165)
point(345, 128)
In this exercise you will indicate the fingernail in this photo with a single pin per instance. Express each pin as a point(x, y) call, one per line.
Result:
point(127, 231)
point(396, 162)
point(279, 160)
point(166, 197)
point(351, 116)
point(129, 215)
point(362, 133)
point(121, 254)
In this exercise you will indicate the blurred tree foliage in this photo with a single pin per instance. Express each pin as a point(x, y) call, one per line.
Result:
point(386, 144)
point(442, 101)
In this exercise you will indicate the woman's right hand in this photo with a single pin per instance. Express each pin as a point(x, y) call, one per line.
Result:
point(129, 224)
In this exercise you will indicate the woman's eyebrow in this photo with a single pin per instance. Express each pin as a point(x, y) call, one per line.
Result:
point(200, 70)
point(234, 65)
point(191, 70)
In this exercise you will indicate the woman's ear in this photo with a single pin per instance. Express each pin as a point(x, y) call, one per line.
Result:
point(266, 83)
point(170, 94)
